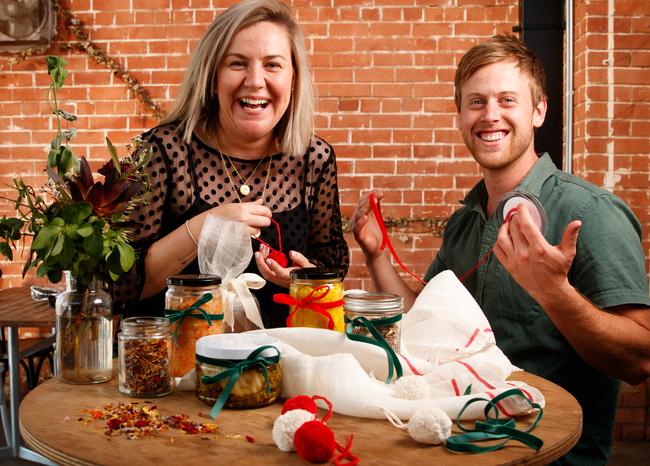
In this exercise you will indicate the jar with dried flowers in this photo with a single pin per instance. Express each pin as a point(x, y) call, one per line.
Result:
point(80, 226)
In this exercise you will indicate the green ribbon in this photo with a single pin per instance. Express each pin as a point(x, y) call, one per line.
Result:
point(175, 315)
point(494, 428)
point(377, 339)
point(234, 371)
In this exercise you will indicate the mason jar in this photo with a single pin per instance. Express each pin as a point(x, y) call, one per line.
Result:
point(383, 311)
point(321, 288)
point(193, 305)
point(254, 357)
point(145, 357)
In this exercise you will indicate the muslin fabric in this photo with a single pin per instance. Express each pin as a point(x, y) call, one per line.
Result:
point(445, 338)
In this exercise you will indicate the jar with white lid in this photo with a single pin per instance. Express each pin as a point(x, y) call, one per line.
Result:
point(237, 370)
point(382, 310)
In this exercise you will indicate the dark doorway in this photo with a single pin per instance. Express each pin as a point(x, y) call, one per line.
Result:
point(542, 29)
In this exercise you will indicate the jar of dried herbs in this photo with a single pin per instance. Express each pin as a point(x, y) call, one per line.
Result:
point(237, 370)
point(373, 314)
point(317, 298)
point(145, 357)
point(193, 305)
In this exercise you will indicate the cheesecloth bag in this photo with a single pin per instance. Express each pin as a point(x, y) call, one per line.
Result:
point(225, 250)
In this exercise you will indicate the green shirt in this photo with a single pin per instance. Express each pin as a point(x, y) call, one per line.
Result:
point(609, 269)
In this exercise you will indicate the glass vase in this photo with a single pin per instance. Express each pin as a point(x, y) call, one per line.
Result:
point(84, 333)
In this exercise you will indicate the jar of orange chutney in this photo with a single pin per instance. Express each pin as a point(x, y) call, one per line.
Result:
point(193, 306)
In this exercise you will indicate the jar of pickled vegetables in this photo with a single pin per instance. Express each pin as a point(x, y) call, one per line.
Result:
point(237, 370)
point(318, 296)
point(381, 310)
point(193, 306)
point(145, 357)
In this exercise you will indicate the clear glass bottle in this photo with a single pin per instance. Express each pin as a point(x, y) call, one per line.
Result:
point(145, 357)
point(383, 310)
point(184, 291)
point(326, 287)
point(84, 333)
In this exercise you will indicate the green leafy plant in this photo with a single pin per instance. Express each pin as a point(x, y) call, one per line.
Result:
point(76, 222)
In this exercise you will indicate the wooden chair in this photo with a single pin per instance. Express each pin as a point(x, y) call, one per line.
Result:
point(33, 354)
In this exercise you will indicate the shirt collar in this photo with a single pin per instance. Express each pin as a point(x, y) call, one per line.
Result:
point(532, 183)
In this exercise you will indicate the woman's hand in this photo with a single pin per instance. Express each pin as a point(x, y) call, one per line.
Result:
point(365, 228)
point(274, 272)
point(253, 214)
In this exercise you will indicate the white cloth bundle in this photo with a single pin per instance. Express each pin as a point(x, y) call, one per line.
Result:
point(445, 337)
point(225, 250)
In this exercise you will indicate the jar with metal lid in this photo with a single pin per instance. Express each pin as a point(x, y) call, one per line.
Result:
point(382, 310)
point(317, 298)
point(145, 357)
point(193, 306)
point(237, 370)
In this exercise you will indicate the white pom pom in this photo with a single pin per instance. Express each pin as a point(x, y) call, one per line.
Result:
point(412, 387)
point(431, 426)
point(286, 425)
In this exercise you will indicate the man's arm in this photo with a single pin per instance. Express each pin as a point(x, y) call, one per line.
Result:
point(615, 341)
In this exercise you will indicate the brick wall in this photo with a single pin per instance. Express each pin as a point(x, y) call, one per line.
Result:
point(612, 105)
point(384, 72)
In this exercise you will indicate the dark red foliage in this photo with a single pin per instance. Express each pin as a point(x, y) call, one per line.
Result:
point(108, 198)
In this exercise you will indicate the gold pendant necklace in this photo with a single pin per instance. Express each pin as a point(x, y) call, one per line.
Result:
point(244, 188)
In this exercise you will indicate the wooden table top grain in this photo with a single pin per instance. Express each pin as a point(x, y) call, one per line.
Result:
point(49, 424)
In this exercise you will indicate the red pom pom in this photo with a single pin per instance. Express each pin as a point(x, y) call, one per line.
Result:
point(279, 257)
point(300, 402)
point(314, 442)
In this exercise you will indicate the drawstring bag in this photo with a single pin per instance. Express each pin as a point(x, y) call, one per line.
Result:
point(225, 250)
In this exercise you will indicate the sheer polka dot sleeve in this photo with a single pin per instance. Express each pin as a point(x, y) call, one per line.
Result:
point(327, 246)
point(148, 220)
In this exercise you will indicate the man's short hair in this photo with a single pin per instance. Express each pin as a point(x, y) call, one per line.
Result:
point(501, 47)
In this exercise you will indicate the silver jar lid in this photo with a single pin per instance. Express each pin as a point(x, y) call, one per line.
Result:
point(372, 302)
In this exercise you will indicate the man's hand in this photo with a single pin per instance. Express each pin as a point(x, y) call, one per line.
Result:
point(365, 228)
point(537, 266)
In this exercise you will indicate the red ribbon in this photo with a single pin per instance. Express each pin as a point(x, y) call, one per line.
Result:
point(346, 454)
point(385, 240)
point(310, 302)
point(276, 254)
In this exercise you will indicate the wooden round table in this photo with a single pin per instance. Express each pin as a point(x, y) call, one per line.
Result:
point(50, 425)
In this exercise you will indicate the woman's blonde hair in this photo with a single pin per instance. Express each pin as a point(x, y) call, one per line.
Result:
point(197, 103)
point(501, 47)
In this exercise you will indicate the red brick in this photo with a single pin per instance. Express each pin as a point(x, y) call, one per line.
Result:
point(391, 121)
point(370, 136)
point(374, 167)
point(630, 415)
point(392, 150)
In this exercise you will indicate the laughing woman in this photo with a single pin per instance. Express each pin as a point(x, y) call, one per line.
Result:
point(239, 143)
